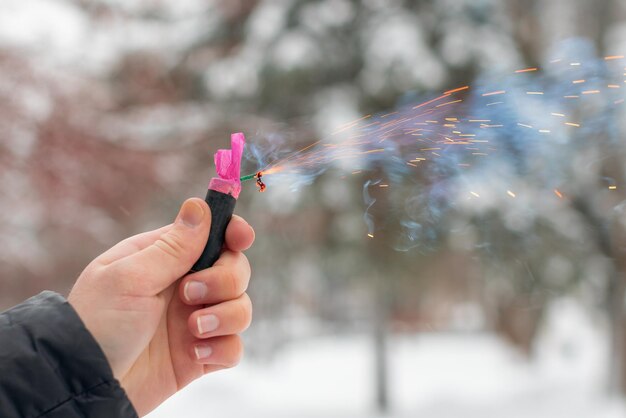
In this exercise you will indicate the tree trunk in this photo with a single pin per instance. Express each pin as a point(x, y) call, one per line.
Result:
point(518, 321)
point(380, 334)
point(615, 307)
point(609, 241)
point(382, 254)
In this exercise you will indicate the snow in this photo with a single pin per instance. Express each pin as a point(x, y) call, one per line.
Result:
point(431, 375)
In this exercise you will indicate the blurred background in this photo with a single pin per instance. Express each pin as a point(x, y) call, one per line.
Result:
point(110, 112)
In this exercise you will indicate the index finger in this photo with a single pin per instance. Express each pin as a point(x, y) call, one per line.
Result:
point(239, 234)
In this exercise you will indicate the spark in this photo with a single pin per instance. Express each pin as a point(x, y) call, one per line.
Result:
point(479, 120)
point(350, 124)
point(574, 64)
point(494, 103)
point(525, 126)
point(412, 165)
point(527, 70)
point(370, 235)
point(544, 131)
point(558, 114)
point(443, 96)
point(494, 93)
point(449, 103)
point(613, 57)
point(575, 125)
point(276, 167)
point(456, 90)
point(371, 124)
point(558, 193)
point(578, 81)
point(571, 97)
point(535, 92)
point(613, 86)
point(612, 187)
point(475, 194)
point(510, 193)
point(591, 91)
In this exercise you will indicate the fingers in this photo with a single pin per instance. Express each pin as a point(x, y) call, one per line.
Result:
point(225, 351)
point(174, 252)
point(227, 279)
point(227, 318)
point(239, 234)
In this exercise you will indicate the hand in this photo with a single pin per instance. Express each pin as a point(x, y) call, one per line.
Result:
point(156, 337)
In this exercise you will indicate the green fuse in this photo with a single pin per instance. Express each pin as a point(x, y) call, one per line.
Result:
point(256, 176)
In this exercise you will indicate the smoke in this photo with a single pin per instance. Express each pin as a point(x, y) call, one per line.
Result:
point(473, 148)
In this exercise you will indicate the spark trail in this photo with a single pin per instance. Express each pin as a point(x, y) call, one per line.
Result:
point(438, 149)
point(462, 120)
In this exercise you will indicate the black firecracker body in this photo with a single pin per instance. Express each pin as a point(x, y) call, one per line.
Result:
point(222, 207)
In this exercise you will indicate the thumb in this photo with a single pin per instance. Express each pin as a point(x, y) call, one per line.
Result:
point(173, 254)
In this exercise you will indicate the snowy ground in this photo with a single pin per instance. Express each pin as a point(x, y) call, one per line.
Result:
point(432, 375)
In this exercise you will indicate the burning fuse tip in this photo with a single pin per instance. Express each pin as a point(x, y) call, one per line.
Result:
point(256, 176)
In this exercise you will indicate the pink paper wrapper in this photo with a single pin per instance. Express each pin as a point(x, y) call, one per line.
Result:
point(228, 167)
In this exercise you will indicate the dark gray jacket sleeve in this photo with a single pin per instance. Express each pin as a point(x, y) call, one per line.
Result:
point(51, 366)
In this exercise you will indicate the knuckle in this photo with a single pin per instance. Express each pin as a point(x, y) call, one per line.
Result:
point(233, 283)
point(172, 244)
point(237, 279)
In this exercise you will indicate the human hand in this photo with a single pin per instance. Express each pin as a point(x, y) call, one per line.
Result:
point(158, 338)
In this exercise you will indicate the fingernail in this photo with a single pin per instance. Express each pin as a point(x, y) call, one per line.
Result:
point(207, 323)
point(195, 291)
point(202, 351)
point(191, 214)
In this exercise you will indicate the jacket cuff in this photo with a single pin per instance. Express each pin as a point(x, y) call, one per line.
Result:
point(51, 366)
